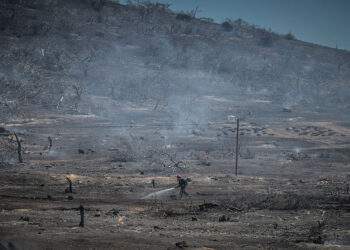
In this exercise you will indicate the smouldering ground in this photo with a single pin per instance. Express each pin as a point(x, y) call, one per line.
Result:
point(292, 190)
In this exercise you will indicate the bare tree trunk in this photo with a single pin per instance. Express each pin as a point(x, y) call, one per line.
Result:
point(50, 142)
point(78, 91)
point(19, 149)
point(69, 189)
point(82, 223)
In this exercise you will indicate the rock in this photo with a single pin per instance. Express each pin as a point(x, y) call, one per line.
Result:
point(11, 246)
point(4, 132)
point(90, 151)
point(194, 219)
point(24, 218)
point(224, 218)
point(181, 244)
point(196, 132)
point(113, 212)
point(173, 197)
point(97, 214)
point(2, 247)
point(287, 109)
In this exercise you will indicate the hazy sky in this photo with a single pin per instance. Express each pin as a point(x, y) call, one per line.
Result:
point(325, 22)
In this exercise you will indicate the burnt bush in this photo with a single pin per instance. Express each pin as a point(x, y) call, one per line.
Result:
point(316, 233)
point(287, 202)
point(297, 156)
point(183, 17)
point(34, 4)
point(123, 156)
point(38, 29)
point(227, 26)
point(202, 157)
point(289, 36)
point(97, 4)
point(99, 34)
point(267, 40)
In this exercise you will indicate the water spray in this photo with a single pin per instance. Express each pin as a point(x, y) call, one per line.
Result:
point(158, 193)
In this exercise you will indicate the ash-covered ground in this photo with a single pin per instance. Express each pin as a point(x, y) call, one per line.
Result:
point(292, 188)
point(119, 99)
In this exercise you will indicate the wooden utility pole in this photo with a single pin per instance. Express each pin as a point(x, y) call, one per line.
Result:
point(82, 223)
point(19, 149)
point(237, 145)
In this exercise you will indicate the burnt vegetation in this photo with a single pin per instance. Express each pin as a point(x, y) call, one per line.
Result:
point(102, 104)
point(65, 54)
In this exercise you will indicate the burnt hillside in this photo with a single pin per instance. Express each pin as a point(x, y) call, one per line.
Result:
point(58, 54)
point(102, 105)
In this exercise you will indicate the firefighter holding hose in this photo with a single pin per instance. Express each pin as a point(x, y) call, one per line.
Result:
point(182, 185)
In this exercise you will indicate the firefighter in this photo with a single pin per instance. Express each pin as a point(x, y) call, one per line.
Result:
point(182, 185)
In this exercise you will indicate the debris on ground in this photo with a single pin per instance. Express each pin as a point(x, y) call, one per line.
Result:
point(181, 244)
point(224, 218)
point(205, 206)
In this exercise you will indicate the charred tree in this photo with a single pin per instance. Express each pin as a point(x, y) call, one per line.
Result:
point(82, 222)
point(69, 189)
point(19, 149)
point(78, 92)
point(50, 142)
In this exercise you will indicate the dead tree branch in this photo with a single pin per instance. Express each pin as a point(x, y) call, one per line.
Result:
point(19, 149)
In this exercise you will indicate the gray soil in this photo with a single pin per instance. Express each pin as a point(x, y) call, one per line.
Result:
point(292, 188)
